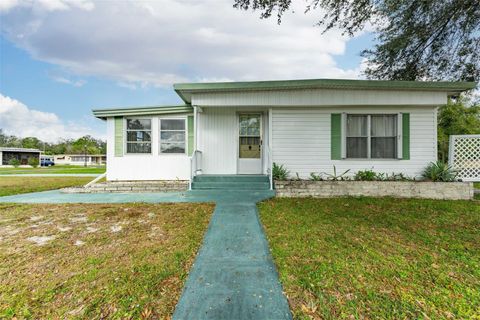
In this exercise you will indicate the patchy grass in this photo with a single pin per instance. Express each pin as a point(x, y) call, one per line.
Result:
point(61, 169)
point(16, 185)
point(125, 261)
point(365, 258)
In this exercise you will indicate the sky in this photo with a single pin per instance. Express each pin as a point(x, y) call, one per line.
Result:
point(59, 59)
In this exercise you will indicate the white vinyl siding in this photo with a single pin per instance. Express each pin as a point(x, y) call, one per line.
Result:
point(301, 141)
point(320, 97)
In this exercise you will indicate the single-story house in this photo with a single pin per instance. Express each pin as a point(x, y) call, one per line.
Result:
point(80, 159)
point(21, 154)
point(307, 126)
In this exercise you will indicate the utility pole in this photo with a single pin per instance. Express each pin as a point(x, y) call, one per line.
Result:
point(85, 155)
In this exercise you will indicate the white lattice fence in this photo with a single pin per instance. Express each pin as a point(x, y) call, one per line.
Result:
point(464, 156)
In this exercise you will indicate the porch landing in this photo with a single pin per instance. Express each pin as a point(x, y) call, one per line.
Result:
point(230, 182)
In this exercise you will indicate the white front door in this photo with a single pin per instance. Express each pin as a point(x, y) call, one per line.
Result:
point(250, 143)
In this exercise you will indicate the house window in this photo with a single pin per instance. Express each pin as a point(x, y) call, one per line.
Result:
point(371, 136)
point(139, 136)
point(172, 136)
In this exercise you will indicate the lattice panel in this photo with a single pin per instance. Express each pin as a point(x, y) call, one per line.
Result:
point(465, 156)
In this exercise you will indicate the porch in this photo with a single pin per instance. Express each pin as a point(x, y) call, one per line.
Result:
point(231, 149)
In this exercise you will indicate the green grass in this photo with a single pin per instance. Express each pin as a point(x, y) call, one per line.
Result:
point(364, 258)
point(16, 185)
point(136, 272)
point(476, 185)
point(61, 169)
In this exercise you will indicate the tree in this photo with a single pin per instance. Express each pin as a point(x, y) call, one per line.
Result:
point(32, 142)
point(416, 39)
point(456, 117)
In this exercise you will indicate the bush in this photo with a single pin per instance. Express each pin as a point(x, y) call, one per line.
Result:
point(279, 172)
point(33, 162)
point(14, 162)
point(367, 175)
point(315, 177)
point(439, 172)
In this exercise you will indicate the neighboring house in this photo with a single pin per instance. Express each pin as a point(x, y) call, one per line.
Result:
point(305, 125)
point(21, 154)
point(80, 159)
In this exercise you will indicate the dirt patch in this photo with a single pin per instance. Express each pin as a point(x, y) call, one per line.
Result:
point(79, 260)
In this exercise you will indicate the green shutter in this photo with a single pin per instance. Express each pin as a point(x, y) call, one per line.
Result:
point(118, 136)
point(191, 134)
point(336, 136)
point(406, 136)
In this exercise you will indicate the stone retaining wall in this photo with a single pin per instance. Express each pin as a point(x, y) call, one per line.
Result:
point(400, 189)
point(132, 186)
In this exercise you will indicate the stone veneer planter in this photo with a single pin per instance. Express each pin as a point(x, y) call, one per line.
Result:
point(132, 186)
point(399, 189)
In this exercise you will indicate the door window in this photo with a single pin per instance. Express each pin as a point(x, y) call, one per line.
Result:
point(249, 136)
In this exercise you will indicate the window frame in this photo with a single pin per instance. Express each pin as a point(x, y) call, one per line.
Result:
point(125, 133)
point(185, 131)
point(370, 136)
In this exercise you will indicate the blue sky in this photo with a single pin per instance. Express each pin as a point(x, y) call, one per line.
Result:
point(58, 60)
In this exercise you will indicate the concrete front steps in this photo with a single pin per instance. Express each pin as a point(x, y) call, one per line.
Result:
point(230, 182)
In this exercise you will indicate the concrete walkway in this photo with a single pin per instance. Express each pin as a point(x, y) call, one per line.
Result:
point(233, 276)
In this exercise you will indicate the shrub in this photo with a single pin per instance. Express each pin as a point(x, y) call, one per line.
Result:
point(279, 172)
point(337, 177)
point(439, 171)
point(315, 177)
point(33, 162)
point(367, 175)
point(14, 162)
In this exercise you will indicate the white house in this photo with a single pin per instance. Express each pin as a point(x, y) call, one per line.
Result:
point(80, 159)
point(308, 126)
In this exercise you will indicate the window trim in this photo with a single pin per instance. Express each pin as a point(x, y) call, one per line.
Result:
point(185, 130)
point(369, 135)
point(125, 136)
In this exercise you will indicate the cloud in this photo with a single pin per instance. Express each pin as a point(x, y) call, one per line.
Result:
point(139, 43)
point(19, 120)
point(61, 79)
point(46, 5)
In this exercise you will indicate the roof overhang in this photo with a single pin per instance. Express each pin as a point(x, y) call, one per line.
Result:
point(140, 111)
point(185, 90)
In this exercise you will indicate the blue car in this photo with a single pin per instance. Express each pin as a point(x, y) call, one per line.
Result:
point(47, 163)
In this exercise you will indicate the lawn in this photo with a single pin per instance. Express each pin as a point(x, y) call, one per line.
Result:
point(122, 261)
point(364, 258)
point(16, 185)
point(61, 169)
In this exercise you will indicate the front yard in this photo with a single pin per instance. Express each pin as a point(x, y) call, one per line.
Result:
point(16, 185)
point(365, 258)
point(96, 261)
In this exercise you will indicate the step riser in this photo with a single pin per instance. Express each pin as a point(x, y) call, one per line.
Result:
point(228, 179)
point(231, 185)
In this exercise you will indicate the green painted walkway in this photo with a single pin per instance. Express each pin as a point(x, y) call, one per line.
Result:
point(233, 276)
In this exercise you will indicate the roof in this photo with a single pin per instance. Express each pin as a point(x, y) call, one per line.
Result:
point(185, 90)
point(139, 111)
point(9, 149)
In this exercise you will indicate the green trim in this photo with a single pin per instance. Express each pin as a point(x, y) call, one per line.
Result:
point(191, 134)
point(336, 136)
point(406, 136)
point(118, 136)
point(184, 90)
point(141, 111)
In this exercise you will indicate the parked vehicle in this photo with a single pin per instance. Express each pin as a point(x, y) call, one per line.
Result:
point(47, 163)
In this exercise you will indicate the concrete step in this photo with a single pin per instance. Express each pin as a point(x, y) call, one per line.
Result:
point(231, 185)
point(230, 178)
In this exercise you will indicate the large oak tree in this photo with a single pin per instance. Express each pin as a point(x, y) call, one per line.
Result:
point(415, 39)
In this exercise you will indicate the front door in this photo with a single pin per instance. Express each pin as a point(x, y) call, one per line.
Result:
point(250, 143)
